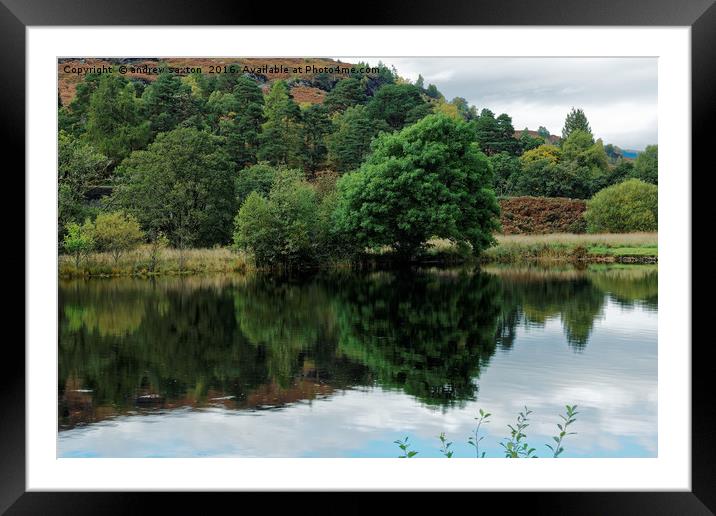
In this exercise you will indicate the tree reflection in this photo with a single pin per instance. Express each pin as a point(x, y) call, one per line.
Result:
point(256, 341)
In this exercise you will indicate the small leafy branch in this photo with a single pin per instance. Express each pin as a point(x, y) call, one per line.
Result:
point(568, 419)
point(405, 446)
point(474, 440)
point(445, 445)
point(515, 446)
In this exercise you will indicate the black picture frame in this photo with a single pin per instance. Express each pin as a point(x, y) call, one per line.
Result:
point(16, 15)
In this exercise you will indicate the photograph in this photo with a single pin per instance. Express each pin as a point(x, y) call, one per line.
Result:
point(357, 257)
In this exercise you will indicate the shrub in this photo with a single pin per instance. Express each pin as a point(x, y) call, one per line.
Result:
point(283, 228)
point(539, 215)
point(116, 233)
point(624, 207)
point(78, 240)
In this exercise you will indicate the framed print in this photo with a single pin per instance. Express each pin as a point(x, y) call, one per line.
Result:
point(403, 250)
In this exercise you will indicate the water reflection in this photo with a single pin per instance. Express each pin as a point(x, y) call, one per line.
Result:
point(424, 339)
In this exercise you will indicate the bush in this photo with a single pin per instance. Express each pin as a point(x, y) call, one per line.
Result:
point(116, 233)
point(624, 207)
point(540, 215)
point(78, 240)
point(291, 227)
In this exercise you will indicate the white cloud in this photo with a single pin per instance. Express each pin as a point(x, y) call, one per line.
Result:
point(618, 95)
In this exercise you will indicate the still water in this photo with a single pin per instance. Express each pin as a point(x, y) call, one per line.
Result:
point(342, 364)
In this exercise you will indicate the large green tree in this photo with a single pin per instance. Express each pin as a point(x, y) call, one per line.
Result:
point(167, 102)
point(245, 115)
point(345, 94)
point(115, 126)
point(428, 180)
point(349, 143)
point(495, 134)
point(397, 105)
point(182, 186)
point(280, 139)
point(315, 128)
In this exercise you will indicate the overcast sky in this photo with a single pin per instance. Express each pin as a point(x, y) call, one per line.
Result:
point(618, 95)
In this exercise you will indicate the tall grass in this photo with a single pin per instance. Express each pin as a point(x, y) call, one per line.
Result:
point(571, 247)
point(168, 261)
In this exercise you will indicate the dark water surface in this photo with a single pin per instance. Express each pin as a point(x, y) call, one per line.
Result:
point(342, 364)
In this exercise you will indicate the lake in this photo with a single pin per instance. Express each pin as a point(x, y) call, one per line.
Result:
point(341, 364)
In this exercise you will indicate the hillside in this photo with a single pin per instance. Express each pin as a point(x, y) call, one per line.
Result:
point(305, 87)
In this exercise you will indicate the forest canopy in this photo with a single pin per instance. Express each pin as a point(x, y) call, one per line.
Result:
point(192, 157)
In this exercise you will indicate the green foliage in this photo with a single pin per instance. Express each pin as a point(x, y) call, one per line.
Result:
point(543, 178)
point(280, 138)
point(282, 229)
point(466, 111)
point(495, 135)
point(528, 142)
point(167, 101)
point(428, 180)
point(445, 446)
point(347, 93)
point(78, 240)
point(257, 178)
point(543, 132)
point(243, 130)
point(516, 447)
point(80, 168)
point(433, 92)
point(116, 233)
point(506, 171)
point(72, 118)
point(404, 445)
point(114, 122)
point(475, 439)
point(624, 207)
point(576, 143)
point(567, 420)
point(548, 152)
point(576, 120)
point(646, 165)
point(397, 105)
point(316, 127)
point(182, 185)
point(349, 143)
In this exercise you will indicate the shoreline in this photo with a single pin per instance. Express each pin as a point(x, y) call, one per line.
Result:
point(548, 249)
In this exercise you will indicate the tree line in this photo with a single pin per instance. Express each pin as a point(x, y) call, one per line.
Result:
point(205, 160)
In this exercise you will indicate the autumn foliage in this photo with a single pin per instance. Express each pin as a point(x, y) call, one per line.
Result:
point(537, 215)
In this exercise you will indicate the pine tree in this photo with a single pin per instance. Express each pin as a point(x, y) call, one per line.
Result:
point(114, 123)
point(167, 102)
point(243, 131)
point(576, 119)
point(280, 139)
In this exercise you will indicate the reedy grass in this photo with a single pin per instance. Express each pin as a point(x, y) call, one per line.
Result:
point(550, 248)
point(168, 261)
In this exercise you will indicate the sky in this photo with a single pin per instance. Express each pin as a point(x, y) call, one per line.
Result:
point(618, 95)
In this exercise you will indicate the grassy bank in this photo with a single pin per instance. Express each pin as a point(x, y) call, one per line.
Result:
point(557, 248)
point(561, 247)
point(141, 262)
